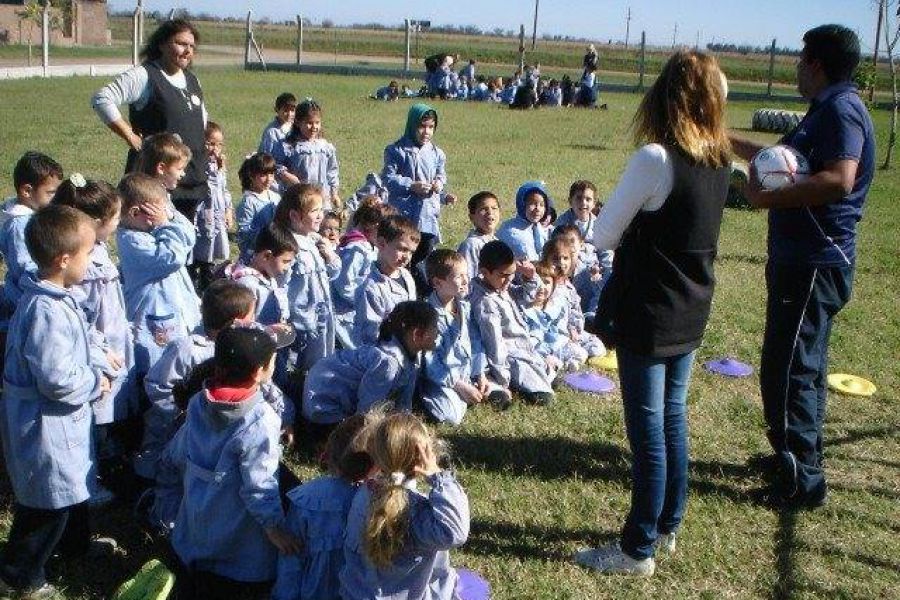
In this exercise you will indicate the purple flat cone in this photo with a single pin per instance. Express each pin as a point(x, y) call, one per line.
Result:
point(728, 367)
point(472, 586)
point(590, 382)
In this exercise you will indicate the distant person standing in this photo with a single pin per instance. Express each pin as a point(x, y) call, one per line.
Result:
point(812, 257)
point(163, 95)
point(591, 61)
point(469, 70)
point(587, 93)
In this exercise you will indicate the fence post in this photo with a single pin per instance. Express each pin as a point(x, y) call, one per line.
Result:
point(771, 68)
point(299, 40)
point(249, 35)
point(45, 38)
point(135, 36)
point(522, 48)
point(406, 56)
point(642, 64)
point(139, 11)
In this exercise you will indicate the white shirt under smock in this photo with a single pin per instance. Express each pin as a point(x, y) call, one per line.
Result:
point(644, 186)
point(132, 87)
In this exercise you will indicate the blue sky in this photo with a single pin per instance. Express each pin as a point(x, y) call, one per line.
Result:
point(747, 21)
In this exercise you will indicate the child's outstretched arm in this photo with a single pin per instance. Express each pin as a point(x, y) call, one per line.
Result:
point(442, 522)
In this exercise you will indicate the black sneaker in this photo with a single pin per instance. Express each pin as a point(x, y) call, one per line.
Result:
point(500, 400)
point(537, 398)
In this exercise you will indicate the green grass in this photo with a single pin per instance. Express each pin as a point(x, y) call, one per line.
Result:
point(545, 481)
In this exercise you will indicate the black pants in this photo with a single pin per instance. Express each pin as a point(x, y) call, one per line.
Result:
point(425, 247)
point(36, 534)
point(203, 585)
point(802, 302)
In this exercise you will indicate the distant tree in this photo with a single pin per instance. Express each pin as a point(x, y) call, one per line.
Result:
point(32, 14)
point(327, 23)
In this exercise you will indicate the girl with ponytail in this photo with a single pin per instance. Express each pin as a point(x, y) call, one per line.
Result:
point(397, 539)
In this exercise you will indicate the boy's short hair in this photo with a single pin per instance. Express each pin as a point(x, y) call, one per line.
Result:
point(580, 186)
point(370, 212)
point(394, 227)
point(140, 188)
point(285, 100)
point(440, 263)
point(476, 201)
point(223, 302)
point(564, 229)
point(495, 255)
point(165, 148)
point(836, 47)
point(240, 351)
point(34, 168)
point(276, 239)
point(53, 231)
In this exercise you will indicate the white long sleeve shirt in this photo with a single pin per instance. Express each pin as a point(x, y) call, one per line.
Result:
point(133, 88)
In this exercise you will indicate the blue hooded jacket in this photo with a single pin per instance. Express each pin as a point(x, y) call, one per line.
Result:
point(526, 239)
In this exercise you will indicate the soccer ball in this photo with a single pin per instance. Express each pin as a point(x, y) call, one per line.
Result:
point(778, 166)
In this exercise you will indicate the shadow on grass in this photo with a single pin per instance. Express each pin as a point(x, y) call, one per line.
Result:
point(528, 542)
point(600, 147)
point(750, 259)
point(785, 563)
point(864, 433)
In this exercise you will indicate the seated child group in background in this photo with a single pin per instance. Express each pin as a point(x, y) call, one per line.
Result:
point(333, 334)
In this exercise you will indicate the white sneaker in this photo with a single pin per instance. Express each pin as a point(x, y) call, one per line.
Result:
point(610, 559)
point(665, 543)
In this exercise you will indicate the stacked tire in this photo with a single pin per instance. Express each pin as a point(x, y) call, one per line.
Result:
point(775, 120)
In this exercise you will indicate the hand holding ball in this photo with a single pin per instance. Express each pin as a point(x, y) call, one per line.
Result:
point(778, 166)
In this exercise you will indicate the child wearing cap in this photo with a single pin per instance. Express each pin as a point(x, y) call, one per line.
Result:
point(230, 524)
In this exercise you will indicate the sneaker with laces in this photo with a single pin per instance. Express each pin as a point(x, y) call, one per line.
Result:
point(611, 560)
point(665, 543)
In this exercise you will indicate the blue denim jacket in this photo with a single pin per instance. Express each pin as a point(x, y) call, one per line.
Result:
point(437, 522)
point(316, 516)
point(50, 377)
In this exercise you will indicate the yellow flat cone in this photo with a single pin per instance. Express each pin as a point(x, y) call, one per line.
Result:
point(851, 384)
point(607, 362)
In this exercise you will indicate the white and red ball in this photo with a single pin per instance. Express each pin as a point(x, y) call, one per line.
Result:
point(778, 166)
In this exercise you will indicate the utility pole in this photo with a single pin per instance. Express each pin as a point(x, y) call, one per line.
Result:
point(697, 44)
point(881, 15)
point(534, 30)
point(674, 36)
point(627, 26)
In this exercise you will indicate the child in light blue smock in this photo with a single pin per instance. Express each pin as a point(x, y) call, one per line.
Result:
point(215, 213)
point(389, 282)
point(154, 242)
point(230, 525)
point(415, 172)
point(373, 186)
point(306, 157)
point(266, 273)
point(317, 514)
point(409, 556)
point(257, 205)
point(277, 130)
point(357, 251)
point(355, 381)
point(309, 280)
point(512, 360)
point(51, 376)
point(223, 302)
point(101, 299)
point(593, 268)
point(454, 376)
point(36, 177)
point(484, 213)
point(525, 234)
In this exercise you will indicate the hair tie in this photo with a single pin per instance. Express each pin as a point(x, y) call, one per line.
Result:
point(78, 180)
point(398, 478)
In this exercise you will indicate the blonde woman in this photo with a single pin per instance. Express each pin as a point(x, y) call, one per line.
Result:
point(663, 222)
point(397, 539)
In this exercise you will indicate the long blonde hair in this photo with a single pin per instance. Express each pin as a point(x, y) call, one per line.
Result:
point(394, 448)
point(685, 108)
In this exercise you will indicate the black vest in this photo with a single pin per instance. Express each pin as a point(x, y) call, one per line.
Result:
point(171, 109)
point(657, 301)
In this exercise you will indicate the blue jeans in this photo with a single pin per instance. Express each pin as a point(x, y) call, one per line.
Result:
point(654, 392)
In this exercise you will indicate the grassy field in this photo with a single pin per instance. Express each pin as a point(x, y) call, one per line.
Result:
point(546, 481)
point(484, 48)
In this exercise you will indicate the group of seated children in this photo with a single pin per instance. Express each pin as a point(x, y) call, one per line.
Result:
point(310, 325)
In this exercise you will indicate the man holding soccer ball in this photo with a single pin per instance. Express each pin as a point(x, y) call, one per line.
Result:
point(812, 255)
